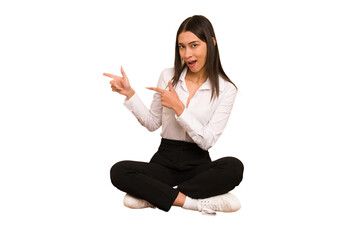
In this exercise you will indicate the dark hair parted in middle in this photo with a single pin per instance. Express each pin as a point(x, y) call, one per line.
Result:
point(203, 29)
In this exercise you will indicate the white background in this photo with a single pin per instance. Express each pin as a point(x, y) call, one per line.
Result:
point(295, 123)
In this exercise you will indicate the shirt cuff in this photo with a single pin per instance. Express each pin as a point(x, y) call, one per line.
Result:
point(185, 120)
point(132, 102)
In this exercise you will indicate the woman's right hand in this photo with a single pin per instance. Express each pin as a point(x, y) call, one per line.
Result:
point(121, 84)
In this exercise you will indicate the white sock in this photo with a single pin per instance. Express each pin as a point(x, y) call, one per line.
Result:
point(190, 204)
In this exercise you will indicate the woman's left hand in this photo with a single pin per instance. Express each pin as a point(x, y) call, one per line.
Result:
point(170, 99)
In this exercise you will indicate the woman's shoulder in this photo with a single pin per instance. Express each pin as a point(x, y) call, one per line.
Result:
point(224, 84)
point(167, 73)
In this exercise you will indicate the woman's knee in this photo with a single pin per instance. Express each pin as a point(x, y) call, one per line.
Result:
point(235, 168)
point(117, 172)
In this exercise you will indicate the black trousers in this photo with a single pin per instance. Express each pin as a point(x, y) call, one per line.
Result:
point(180, 164)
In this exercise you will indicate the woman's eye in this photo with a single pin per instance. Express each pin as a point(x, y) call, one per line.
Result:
point(194, 45)
point(181, 46)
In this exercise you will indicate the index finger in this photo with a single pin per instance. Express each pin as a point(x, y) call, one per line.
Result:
point(156, 89)
point(110, 75)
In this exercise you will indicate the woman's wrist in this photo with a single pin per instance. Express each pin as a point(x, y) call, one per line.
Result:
point(130, 94)
point(179, 109)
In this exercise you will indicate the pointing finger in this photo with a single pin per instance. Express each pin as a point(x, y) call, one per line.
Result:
point(110, 75)
point(156, 89)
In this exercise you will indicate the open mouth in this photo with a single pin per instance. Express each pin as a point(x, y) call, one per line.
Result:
point(191, 63)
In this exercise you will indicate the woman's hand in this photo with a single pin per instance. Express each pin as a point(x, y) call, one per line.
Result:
point(121, 84)
point(170, 99)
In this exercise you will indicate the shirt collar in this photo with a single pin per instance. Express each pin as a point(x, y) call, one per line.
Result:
point(206, 85)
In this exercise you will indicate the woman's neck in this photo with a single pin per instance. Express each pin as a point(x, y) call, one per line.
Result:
point(197, 78)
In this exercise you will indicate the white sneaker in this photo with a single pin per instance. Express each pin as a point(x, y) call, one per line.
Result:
point(136, 203)
point(221, 203)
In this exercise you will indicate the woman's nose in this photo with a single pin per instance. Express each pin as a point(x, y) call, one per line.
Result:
point(188, 53)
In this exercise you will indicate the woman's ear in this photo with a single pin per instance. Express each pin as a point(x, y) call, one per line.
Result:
point(214, 41)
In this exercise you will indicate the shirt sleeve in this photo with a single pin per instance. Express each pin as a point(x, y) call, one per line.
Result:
point(205, 136)
point(149, 118)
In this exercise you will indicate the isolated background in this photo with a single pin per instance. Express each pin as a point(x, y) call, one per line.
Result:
point(295, 123)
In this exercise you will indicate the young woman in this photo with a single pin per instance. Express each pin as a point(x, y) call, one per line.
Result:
point(192, 103)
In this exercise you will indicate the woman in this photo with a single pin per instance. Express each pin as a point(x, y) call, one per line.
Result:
point(192, 103)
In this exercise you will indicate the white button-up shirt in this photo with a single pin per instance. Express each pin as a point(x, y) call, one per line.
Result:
point(201, 122)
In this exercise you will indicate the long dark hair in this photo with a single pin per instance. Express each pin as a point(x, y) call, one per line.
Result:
point(203, 29)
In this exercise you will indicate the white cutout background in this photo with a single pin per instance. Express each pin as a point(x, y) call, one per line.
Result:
point(295, 123)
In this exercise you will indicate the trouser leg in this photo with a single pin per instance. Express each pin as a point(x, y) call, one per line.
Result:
point(149, 181)
point(215, 178)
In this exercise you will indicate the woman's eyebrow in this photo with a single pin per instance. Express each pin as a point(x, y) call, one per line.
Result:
point(193, 42)
point(189, 42)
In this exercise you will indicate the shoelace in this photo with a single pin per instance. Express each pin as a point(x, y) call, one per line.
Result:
point(209, 207)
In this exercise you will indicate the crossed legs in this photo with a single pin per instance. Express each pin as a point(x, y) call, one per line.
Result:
point(154, 182)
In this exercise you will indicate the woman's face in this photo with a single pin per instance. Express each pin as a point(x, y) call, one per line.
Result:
point(192, 51)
